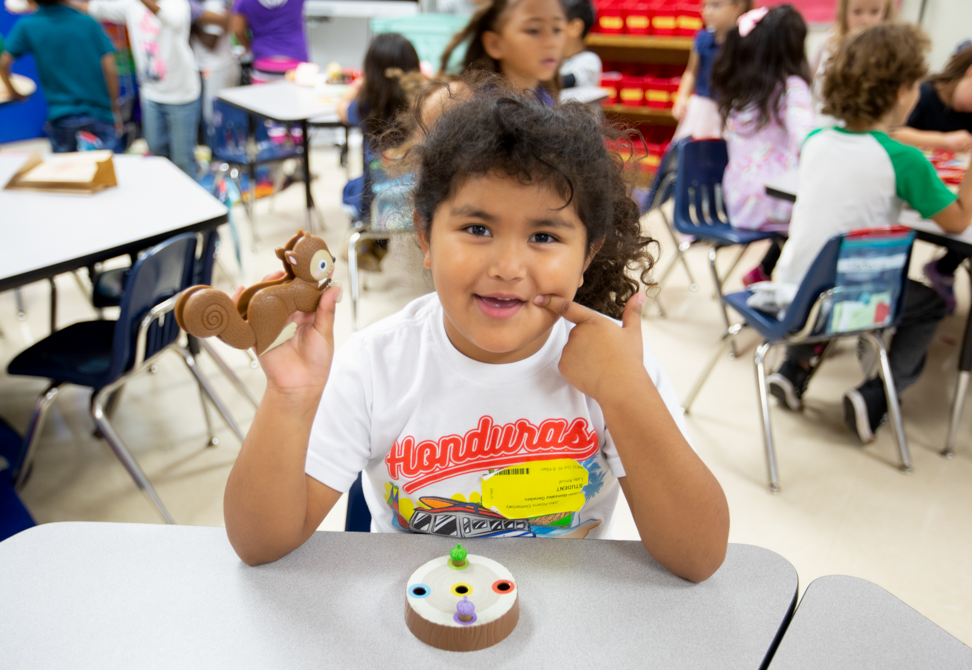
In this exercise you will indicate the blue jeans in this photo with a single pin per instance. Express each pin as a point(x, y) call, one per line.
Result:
point(170, 131)
point(63, 132)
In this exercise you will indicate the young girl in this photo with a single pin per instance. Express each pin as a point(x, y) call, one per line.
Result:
point(852, 15)
point(522, 40)
point(695, 108)
point(373, 103)
point(532, 243)
point(942, 119)
point(761, 80)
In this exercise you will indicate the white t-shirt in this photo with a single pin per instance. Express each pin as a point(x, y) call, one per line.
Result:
point(220, 57)
point(167, 72)
point(426, 423)
point(849, 181)
point(586, 68)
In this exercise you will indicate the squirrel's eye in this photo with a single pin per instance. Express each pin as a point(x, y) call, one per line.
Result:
point(322, 265)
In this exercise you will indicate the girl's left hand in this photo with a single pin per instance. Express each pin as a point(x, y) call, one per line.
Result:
point(600, 358)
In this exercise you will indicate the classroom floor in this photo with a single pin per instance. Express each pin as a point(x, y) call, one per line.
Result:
point(843, 509)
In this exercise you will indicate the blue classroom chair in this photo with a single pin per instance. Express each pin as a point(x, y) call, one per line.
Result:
point(104, 355)
point(805, 321)
point(14, 517)
point(661, 191)
point(700, 209)
point(358, 519)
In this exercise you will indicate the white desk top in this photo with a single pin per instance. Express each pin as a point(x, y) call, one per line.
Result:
point(88, 595)
point(284, 101)
point(44, 234)
point(846, 622)
point(583, 94)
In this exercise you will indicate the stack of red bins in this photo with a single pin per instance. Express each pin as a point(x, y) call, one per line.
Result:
point(662, 18)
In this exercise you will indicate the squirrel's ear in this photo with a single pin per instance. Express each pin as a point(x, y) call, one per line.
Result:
point(292, 259)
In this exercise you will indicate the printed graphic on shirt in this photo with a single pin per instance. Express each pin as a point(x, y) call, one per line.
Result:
point(536, 480)
point(155, 68)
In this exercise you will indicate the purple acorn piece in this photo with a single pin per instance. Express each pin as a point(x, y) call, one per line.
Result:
point(465, 607)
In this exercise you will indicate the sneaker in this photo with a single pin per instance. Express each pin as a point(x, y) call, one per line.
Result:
point(943, 284)
point(866, 408)
point(788, 385)
point(755, 276)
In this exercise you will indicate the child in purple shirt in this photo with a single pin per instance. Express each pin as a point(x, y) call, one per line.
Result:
point(276, 27)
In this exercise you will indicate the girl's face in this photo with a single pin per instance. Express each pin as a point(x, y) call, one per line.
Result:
point(493, 248)
point(865, 13)
point(962, 95)
point(530, 41)
point(721, 15)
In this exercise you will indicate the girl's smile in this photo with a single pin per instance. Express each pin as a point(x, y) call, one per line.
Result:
point(493, 248)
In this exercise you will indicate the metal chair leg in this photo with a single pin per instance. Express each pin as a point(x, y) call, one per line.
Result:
point(228, 371)
point(958, 400)
point(742, 252)
point(727, 339)
point(21, 311)
point(122, 452)
point(252, 184)
point(680, 248)
point(894, 409)
point(353, 271)
point(713, 252)
point(26, 459)
point(208, 389)
point(762, 388)
point(213, 440)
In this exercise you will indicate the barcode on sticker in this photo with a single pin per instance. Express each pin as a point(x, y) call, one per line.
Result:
point(514, 471)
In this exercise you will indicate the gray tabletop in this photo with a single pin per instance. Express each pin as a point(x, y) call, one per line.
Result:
point(86, 595)
point(846, 622)
point(283, 100)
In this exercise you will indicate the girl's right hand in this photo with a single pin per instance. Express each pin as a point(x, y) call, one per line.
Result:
point(958, 140)
point(302, 363)
point(678, 109)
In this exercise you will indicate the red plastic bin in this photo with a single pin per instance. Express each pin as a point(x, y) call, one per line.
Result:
point(611, 82)
point(689, 19)
point(664, 21)
point(637, 20)
point(610, 19)
point(657, 93)
point(632, 91)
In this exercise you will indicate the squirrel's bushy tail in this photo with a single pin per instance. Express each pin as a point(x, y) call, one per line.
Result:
point(204, 312)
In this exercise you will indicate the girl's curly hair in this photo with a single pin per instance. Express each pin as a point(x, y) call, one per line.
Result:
point(862, 80)
point(494, 131)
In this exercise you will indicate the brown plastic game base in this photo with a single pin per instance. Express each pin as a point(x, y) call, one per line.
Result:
point(463, 605)
point(259, 318)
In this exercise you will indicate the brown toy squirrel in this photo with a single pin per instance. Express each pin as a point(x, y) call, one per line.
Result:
point(259, 317)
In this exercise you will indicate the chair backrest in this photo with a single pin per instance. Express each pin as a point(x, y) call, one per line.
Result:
point(699, 202)
point(879, 274)
point(159, 273)
point(663, 185)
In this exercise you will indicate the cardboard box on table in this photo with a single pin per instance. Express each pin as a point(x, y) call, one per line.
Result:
point(81, 173)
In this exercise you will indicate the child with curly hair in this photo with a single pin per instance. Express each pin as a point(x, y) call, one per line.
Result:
point(858, 177)
point(517, 359)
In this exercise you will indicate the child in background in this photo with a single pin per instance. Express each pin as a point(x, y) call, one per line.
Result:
point(852, 15)
point(522, 40)
point(76, 64)
point(580, 67)
point(858, 177)
point(271, 28)
point(762, 82)
point(214, 55)
point(942, 119)
point(373, 104)
point(533, 243)
point(168, 79)
point(694, 107)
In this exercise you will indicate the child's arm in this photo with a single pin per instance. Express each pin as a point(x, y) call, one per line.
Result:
point(956, 217)
point(240, 27)
point(6, 60)
point(958, 140)
point(349, 96)
point(270, 506)
point(686, 86)
point(110, 72)
point(677, 504)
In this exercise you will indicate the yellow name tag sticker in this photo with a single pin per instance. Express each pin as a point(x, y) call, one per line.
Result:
point(536, 488)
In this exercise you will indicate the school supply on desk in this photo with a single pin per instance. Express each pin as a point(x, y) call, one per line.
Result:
point(82, 173)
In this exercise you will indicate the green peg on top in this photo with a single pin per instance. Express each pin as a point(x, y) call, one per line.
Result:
point(458, 557)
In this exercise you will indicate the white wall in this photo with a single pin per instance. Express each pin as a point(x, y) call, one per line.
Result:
point(947, 22)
